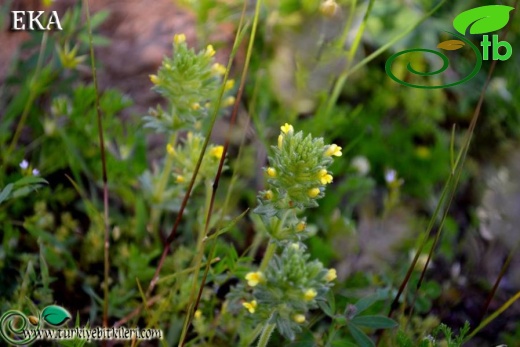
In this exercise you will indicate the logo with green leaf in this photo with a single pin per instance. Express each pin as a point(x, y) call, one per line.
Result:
point(16, 327)
point(479, 21)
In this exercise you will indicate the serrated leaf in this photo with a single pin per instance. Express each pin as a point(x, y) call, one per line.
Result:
point(361, 338)
point(375, 322)
point(483, 19)
point(451, 45)
point(55, 315)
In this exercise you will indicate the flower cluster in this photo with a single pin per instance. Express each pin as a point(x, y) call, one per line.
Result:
point(185, 157)
point(286, 286)
point(190, 81)
point(297, 174)
point(290, 287)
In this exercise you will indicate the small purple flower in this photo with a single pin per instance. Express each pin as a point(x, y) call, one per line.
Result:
point(36, 172)
point(24, 164)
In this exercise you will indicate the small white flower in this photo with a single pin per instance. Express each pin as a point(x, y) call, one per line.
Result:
point(361, 164)
point(24, 164)
point(36, 172)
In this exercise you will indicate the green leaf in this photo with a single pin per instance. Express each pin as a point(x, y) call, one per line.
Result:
point(4, 195)
point(30, 180)
point(366, 302)
point(361, 338)
point(55, 315)
point(483, 19)
point(329, 306)
point(375, 322)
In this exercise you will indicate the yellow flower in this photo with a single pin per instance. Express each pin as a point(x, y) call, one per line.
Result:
point(268, 195)
point(299, 318)
point(179, 179)
point(230, 100)
point(329, 8)
point(218, 69)
point(229, 84)
point(154, 79)
point(170, 149)
point(324, 177)
point(217, 151)
point(250, 306)
point(179, 38)
point(280, 141)
point(333, 150)
point(253, 278)
point(310, 294)
point(313, 192)
point(271, 172)
point(331, 275)
point(210, 51)
point(287, 128)
point(295, 246)
point(198, 314)
point(195, 106)
point(301, 226)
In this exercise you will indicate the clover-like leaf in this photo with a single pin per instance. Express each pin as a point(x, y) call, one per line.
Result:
point(451, 45)
point(483, 19)
point(55, 315)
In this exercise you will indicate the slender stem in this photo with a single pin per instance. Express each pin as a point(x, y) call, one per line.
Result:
point(266, 335)
point(234, 113)
point(268, 255)
point(104, 169)
point(33, 92)
point(493, 316)
point(161, 185)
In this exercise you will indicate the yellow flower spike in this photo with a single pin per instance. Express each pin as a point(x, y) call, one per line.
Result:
point(287, 128)
point(229, 84)
point(331, 275)
point(314, 192)
point(250, 306)
point(333, 150)
point(195, 106)
point(299, 318)
point(329, 8)
point(198, 314)
point(170, 149)
point(218, 69)
point(180, 179)
point(324, 177)
point(268, 195)
point(254, 278)
point(280, 141)
point(271, 172)
point(217, 151)
point(230, 100)
point(210, 51)
point(179, 38)
point(301, 226)
point(310, 294)
point(154, 79)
